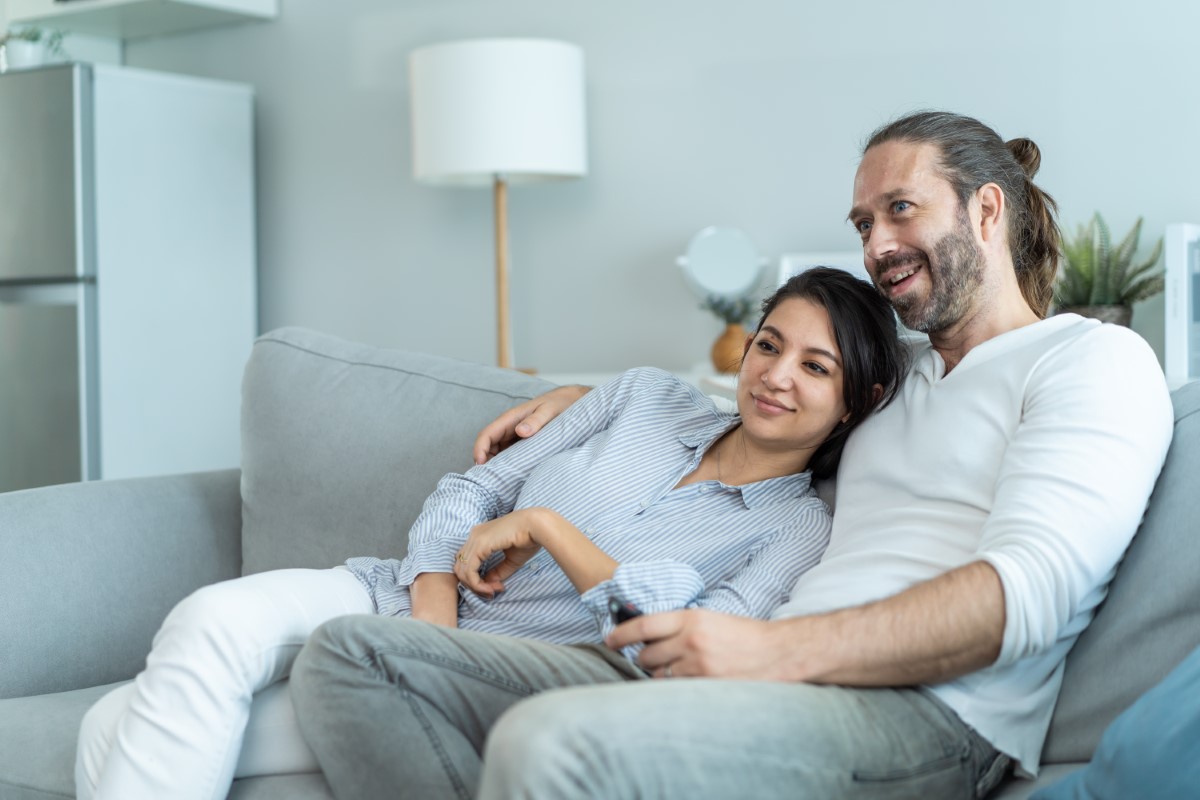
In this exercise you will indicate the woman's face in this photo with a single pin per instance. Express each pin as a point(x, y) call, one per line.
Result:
point(790, 384)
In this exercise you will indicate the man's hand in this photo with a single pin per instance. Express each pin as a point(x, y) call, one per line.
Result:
point(524, 420)
point(513, 534)
point(698, 643)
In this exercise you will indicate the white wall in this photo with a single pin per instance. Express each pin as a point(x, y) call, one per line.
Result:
point(700, 113)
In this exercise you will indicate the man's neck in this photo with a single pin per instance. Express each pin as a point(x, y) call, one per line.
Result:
point(997, 313)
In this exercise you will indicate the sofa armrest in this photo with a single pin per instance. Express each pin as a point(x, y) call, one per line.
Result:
point(89, 571)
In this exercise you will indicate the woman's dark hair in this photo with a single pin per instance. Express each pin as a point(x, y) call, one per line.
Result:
point(864, 327)
point(972, 154)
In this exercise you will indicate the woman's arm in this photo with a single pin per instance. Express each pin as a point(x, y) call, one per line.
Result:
point(435, 598)
point(520, 535)
point(490, 491)
point(523, 421)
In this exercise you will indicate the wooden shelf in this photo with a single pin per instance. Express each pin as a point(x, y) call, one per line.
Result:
point(136, 19)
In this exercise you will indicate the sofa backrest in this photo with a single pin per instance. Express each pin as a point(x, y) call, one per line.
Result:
point(1151, 618)
point(342, 442)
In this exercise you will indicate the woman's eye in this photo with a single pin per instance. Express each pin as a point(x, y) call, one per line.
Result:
point(815, 367)
point(766, 346)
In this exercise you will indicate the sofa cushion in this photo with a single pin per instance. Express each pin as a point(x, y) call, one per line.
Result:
point(1151, 618)
point(1151, 751)
point(37, 742)
point(342, 442)
point(37, 752)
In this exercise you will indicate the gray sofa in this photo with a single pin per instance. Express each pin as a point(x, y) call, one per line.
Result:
point(341, 442)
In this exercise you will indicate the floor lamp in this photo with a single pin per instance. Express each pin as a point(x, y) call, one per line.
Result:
point(495, 112)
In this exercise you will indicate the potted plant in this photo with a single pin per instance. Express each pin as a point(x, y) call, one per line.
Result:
point(30, 47)
point(726, 351)
point(1101, 281)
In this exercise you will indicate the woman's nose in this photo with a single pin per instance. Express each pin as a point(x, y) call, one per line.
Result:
point(781, 375)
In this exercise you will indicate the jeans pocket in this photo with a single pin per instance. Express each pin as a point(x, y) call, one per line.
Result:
point(949, 762)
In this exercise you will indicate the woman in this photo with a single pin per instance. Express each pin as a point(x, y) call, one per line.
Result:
point(643, 490)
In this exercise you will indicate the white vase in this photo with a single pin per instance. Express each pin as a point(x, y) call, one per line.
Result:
point(20, 54)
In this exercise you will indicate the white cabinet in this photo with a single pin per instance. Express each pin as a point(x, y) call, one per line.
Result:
point(133, 19)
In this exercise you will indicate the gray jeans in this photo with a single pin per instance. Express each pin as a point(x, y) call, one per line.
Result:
point(399, 708)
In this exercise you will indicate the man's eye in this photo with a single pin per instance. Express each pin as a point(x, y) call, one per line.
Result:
point(863, 225)
point(901, 205)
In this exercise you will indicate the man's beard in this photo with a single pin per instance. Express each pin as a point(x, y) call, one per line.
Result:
point(955, 272)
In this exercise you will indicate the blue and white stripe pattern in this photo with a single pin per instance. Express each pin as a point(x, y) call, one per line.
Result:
point(610, 465)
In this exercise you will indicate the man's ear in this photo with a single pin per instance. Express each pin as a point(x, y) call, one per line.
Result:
point(991, 211)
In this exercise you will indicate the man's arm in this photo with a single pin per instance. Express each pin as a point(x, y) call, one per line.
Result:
point(523, 421)
point(932, 632)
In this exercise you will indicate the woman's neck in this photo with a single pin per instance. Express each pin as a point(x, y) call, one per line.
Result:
point(739, 460)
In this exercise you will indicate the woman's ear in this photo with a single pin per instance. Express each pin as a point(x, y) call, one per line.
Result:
point(876, 392)
point(746, 347)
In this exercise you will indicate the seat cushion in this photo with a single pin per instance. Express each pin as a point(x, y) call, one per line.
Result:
point(37, 742)
point(1151, 618)
point(38, 736)
point(342, 442)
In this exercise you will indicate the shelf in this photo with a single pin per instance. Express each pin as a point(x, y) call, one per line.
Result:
point(136, 19)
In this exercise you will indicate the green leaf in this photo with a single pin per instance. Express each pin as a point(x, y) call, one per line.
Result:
point(1144, 289)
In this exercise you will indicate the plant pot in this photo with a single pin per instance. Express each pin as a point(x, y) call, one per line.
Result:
point(1117, 315)
point(727, 350)
point(20, 54)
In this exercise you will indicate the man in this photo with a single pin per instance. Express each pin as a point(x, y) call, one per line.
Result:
point(979, 520)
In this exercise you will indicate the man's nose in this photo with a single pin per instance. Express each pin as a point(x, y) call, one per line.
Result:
point(881, 242)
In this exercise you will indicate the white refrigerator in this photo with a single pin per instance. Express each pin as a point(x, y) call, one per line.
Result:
point(128, 301)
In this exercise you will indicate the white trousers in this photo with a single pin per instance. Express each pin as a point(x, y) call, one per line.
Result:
point(212, 703)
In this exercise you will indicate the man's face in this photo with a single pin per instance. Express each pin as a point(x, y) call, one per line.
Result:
point(919, 243)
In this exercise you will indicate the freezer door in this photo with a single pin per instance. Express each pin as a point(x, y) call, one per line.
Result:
point(46, 425)
point(42, 142)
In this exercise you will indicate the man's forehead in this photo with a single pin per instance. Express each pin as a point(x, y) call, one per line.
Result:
point(894, 168)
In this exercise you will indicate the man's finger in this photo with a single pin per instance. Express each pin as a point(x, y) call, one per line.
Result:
point(647, 628)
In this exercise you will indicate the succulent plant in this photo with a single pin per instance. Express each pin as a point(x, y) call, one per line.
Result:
point(738, 311)
point(1094, 273)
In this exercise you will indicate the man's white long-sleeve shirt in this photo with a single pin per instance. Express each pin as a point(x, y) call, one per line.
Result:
point(1036, 454)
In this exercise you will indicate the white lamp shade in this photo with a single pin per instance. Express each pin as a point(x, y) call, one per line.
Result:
point(508, 107)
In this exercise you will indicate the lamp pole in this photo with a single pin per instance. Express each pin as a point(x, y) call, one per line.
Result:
point(503, 328)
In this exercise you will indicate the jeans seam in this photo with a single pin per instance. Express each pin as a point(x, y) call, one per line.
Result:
point(460, 787)
point(465, 668)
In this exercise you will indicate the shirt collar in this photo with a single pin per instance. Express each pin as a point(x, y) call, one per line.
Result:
point(754, 495)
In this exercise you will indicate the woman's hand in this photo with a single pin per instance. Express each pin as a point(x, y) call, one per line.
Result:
point(524, 420)
point(513, 534)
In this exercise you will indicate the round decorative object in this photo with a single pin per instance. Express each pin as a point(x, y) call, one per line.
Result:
point(727, 350)
point(722, 263)
point(1117, 315)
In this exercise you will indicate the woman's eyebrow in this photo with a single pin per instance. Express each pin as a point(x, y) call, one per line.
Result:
point(771, 329)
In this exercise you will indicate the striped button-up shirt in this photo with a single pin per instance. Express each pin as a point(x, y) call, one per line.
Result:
point(611, 465)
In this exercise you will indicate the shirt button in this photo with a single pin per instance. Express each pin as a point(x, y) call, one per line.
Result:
point(645, 504)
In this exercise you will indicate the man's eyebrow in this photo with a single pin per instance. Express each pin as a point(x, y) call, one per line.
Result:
point(771, 329)
point(887, 199)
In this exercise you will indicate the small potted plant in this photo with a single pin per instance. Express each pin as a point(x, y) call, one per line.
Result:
point(726, 351)
point(1101, 281)
point(30, 47)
